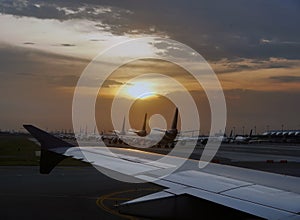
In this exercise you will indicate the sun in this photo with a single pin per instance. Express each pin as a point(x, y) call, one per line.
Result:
point(140, 90)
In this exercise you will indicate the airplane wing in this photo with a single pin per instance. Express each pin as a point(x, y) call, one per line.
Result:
point(214, 189)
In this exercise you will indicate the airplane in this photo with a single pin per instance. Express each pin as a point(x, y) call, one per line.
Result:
point(158, 137)
point(219, 138)
point(228, 139)
point(213, 191)
point(116, 136)
point(291, 136)
point(122, 132)
point(240, 139)
point(141, 133)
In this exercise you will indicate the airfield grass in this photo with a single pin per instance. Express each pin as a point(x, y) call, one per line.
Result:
point(18, 150)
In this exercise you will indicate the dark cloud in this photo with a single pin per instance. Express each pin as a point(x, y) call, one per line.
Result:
point(59, 80)
point(108, 16)
point(219, 29)
point(68, 45)
point(29, 43)
point(241, 64)
point(286, 79)
point(97, 40)
point(109, 83)
point(216, 29)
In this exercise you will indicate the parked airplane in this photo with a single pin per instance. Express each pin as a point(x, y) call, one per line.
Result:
point(220, 138)
point(291, 136)
point(122, 132)
point(116, 137)
point(229, 138)
point(157, 137)
point(215, 190)
point(141, 133)
point(241, 139)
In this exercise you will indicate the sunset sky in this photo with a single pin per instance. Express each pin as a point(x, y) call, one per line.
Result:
point(252, 46)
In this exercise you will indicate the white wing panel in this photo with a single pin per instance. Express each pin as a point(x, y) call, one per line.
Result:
point(263, 211)
point(111, 162)
point(205, 181)
point(269, 196)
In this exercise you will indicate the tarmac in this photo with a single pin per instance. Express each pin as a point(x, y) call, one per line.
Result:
point(67, 193)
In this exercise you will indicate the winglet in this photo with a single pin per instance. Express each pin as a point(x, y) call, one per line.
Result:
point(46, 140)
point(48, 159)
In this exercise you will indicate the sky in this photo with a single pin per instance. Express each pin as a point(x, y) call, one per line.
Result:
point(252, 46)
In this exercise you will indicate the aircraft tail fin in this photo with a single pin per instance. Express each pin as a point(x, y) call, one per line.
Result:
point(251, 131)
point(49, 158)
point(145, 121)
point(175, 119)
point(123, 127)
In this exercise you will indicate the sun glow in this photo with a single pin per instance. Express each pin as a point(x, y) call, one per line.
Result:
point(140, 90)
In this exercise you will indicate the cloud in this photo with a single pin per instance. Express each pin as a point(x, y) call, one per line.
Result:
point(278, 42)
point(225, 65)
point(29, 43)
point(96, 40)
point(48, 34)
point(258, 74)
point(215, 29)
point(109, 83)
point(65, 10)
point(259, 80)
point(68, 45)
point(286, 79)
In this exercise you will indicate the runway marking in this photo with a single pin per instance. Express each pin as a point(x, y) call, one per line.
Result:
point(112, 197)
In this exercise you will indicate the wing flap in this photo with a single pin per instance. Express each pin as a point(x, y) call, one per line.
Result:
point(249, 197)
point(242, 204)
point(186, 196)
point(275, 198)
point(206, 181)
